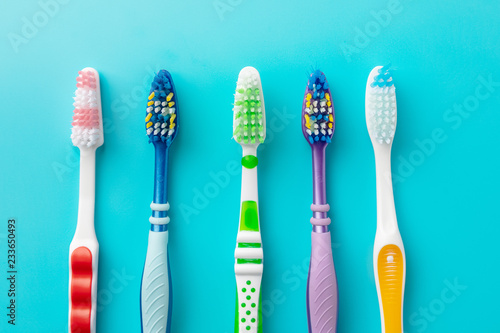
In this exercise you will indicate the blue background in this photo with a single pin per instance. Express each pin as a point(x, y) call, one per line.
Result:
point(446, 163)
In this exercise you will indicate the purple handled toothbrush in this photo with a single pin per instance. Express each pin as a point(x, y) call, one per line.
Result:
point(318, 124)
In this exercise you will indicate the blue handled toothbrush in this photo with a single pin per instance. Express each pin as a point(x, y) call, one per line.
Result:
point(161, 128)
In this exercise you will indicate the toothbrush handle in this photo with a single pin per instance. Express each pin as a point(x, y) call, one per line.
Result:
point(249, 256)
point(84, 253)
point(322, 292)
point(389, 263)
point(83, 287)
point(249, 301)
point(155, 286)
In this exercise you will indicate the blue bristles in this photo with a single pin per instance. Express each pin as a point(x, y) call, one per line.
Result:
point(384, 78)
point(161, 113)
point(318, 122)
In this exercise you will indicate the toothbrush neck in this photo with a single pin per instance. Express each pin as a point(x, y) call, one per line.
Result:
point(386, 213)
point(319, 181)
point(249, 185)
point(319, 184)
point(160, 181)
point(85, 225)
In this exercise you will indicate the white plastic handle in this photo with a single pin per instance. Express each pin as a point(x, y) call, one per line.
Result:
point(389, 261)
point(249, 303)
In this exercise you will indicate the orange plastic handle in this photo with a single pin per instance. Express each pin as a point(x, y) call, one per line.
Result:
point(391, 274)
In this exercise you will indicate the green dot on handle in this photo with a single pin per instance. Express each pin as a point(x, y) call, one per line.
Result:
point(249, 161)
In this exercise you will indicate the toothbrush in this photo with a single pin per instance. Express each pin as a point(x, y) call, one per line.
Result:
point(388, 253)
point(87, 135)
point(249, 128)
point(318, 124)
point(161, 128)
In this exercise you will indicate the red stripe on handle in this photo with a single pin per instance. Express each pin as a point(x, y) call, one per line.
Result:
point(81, 290)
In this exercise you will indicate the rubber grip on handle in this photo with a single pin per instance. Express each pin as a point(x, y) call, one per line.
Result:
point(81, 291)
point(390, 265)
point(155, 286)
point(248, 304)
point(322, 292)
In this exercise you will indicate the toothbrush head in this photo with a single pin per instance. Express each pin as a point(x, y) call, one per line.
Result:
point(161, 112)
point(381, 110)
point(318, 116)
point(249, 121)
point(87, 130)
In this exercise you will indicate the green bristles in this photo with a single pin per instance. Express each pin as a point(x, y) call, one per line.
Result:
point(249, 120)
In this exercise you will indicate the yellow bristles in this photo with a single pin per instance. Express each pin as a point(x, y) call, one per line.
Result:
point(151, 103)
point(171, 104)
point(308, 96)
point(151, 96)
point(327, 96)
point(169, 97)
point(148, 125)
point(308, 124)
point(148, 116)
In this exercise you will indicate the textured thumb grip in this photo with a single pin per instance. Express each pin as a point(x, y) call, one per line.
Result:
point(81, 291)
point(390, 264)
point(155, 286)
point(322, 293)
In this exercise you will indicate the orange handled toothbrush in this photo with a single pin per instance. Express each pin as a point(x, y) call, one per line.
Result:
point(388, 253)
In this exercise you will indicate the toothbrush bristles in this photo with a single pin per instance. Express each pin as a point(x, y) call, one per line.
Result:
point(249, 120)
point(381, 106)
point(318, 117)
point(86, 131)
point(161, 114)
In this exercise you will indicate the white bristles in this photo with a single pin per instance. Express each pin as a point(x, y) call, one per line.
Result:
point(249, 123)
point(381, 109)
point(87, 130)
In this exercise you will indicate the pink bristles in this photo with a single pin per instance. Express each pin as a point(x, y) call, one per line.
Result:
point(86, 79)
point(86, 118)
point(87, 122)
